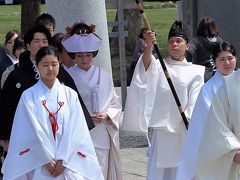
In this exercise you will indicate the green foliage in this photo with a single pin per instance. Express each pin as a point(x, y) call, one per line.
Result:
point(10, 18)
point(157, 4)
point(160, 19)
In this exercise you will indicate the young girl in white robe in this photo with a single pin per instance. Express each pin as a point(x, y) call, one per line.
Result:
point(50, 139)
point(224, 57)
point(96, 87)
point(219, 150)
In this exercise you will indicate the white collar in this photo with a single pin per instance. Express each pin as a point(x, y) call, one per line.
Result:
point(35, 69)
point(171, 61)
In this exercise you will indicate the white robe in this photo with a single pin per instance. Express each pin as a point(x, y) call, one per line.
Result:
point(32, 137)
point(187, 166)
point(97, 91)
point(221, 135)
point(150, 103)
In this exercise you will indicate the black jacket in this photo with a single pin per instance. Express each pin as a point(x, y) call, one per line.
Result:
point(18, 81)
point(4, 63)
point(200, 51)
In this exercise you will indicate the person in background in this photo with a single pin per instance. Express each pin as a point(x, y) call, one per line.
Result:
point(97, 90)
point(65, 59)
point(225, 59)
point(138, 51)
point(201, 46)
point(9, 57)
point(46, 20)
point(141, 44)
point(2, 52)
point(150, 103)
point(53, 141)
point(219, 156)
point(18, 48)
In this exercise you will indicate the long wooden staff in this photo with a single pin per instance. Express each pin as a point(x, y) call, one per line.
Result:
point(155, 45)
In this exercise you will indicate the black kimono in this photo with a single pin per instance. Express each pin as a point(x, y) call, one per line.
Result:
point(18, 81)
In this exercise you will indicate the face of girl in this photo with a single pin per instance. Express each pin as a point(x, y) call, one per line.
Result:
point(84, 60)
point(225, 62)
point(48, 68)
point(10, 43)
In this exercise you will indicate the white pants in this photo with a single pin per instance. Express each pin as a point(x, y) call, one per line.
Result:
point(102, 155)
point(153, 172)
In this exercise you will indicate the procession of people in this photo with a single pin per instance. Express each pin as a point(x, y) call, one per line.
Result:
point(60, 115)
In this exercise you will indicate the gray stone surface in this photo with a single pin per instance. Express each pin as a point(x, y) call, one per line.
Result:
point(132, 139)
point(134, 163)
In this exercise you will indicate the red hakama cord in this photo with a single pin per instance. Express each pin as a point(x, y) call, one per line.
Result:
point(52, 116)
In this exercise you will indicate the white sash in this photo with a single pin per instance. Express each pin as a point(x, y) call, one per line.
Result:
point(94, 85)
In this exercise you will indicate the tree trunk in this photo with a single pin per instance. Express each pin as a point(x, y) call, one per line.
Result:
point(132, 15)
point(30, 10)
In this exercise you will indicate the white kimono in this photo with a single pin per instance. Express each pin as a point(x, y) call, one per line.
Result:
point(186, 169)
point(221, 134)
point(32, 143)
point(97, 91)
point(150, 103)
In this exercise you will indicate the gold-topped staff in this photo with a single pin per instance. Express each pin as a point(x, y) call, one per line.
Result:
point(155, 45)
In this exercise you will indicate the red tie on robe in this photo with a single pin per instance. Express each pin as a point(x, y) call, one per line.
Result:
point(52, 116)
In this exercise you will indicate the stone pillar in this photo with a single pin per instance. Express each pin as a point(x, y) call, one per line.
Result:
point(189, 15)
point(66, 12)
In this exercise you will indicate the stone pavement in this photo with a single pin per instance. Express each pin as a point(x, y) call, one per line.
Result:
point(134, 163)
point(133, 153)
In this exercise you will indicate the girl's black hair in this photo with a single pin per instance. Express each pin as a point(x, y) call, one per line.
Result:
point(18, 43)
point(224, 46)
point(81, 28)
point(44, 51)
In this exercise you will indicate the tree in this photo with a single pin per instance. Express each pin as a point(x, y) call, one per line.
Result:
point(30, 10)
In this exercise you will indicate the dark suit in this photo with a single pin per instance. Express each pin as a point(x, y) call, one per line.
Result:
point(19, 80)
point(4, 63)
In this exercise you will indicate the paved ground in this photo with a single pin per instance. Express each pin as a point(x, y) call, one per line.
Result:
point(134, 163)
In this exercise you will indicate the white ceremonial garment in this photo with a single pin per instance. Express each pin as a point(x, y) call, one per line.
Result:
point(187, 167)
point(221, 135)
point(32, 143)
point(150, 103)
point(97, 91)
